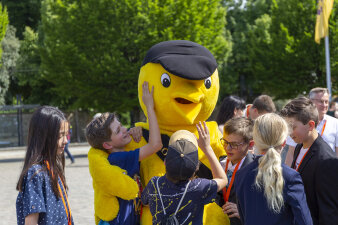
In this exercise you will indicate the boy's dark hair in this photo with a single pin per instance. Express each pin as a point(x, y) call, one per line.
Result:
point(98, 130)
point(241, 126)
point(264, 103)
point(302, 109)
point(226, 110)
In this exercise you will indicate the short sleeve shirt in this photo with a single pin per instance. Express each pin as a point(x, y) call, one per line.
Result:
point(37, 196)
point(128, 161)
point(199, 193)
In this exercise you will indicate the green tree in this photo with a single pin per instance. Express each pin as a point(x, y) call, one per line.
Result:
point(10, 46)
point(243, 19)
point(274, 50)
point(4, 79)
point(93, 50)
point(23, 13)
point(27, 80)
point(291, 62)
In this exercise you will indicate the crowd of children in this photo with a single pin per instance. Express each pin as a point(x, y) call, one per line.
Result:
point(251, 183)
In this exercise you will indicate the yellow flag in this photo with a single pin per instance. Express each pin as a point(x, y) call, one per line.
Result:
point(322, 24)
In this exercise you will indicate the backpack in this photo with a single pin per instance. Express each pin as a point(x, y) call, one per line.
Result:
point(170, 219)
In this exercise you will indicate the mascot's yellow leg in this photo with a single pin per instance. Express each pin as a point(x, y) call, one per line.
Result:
point(146, 218)
point(213, 214)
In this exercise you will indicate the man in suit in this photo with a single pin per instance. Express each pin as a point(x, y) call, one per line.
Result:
point(314, 160)
point(237, 140)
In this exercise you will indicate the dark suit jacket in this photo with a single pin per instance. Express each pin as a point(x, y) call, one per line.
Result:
point(320, 177)
point(252, 204)
point(232, 197)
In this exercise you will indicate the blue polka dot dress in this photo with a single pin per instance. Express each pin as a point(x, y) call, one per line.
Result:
point(37, 196)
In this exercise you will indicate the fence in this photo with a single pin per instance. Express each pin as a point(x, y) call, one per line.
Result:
point(14, 123)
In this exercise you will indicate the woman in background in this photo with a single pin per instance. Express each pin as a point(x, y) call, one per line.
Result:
point(232, 106)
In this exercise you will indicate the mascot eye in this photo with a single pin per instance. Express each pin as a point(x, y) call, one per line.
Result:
point(207, 82)
point(165, 80)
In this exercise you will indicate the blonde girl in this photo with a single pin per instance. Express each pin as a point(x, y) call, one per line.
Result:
point(269, 192)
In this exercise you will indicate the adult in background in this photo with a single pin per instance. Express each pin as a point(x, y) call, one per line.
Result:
point(232, 106)
point(261, 105)
point(268, 192)
point(70, 156)
point(327, 126)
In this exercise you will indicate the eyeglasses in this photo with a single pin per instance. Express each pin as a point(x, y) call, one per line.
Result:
point(233, 145)
point(320, 101)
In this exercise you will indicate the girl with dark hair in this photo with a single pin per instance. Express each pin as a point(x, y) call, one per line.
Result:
point(42, 186)
point(232, 106)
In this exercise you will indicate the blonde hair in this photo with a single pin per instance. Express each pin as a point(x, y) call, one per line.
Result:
point(269, 133)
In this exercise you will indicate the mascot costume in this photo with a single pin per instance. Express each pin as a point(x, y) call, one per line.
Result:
point(185, 79)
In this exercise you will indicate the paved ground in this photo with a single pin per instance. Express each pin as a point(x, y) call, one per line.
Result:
point(81, 196)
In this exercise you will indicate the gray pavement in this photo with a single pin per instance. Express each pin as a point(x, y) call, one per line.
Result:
point(81, 194)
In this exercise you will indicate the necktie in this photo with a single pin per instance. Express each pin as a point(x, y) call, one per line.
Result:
point(229, 175)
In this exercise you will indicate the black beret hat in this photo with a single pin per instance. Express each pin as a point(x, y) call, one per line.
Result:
point(182, 58)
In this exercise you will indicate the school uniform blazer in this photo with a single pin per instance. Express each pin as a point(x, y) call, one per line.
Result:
point(320, 177)
point(252, 204)
point(232, 197)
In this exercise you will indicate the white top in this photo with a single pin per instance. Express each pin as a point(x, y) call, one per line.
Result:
point(230, 166)
point(300, 156)
point(330, 134)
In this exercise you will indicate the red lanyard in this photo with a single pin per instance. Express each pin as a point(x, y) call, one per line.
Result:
point(226, 191)
point(321, 133)
point(69, 216)
point(247, 110)
point(302, 158)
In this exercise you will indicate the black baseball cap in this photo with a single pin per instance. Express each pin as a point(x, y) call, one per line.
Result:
point(182, 58)
point(182, 157)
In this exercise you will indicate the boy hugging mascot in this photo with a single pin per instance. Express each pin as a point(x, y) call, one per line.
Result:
point(186, 86)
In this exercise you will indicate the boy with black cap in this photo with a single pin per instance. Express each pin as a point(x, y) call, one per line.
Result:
point(176, 196)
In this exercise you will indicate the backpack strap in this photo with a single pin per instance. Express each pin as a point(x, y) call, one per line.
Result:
point(159, 194)
point(179, 204)
point(185, 191)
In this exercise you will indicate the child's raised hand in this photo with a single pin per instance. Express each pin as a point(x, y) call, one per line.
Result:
point(204, 136)
point(147, 96)
point(136, 133)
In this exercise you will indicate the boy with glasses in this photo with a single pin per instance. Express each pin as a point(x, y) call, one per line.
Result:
point(237, 141)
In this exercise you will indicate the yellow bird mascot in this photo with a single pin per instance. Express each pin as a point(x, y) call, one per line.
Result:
point(185, 78)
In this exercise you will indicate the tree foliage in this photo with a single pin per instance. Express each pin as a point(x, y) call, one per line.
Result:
point(93, 50)
point(295, 62)
point(10, 46)
point(27, 80)
point(4, 79)
point(23, 13)
point(274, 50)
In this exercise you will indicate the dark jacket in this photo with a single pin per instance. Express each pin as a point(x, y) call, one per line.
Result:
point(252, 204)
point(319, 172)
point(232, 197)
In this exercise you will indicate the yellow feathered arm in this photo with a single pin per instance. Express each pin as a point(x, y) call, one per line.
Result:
point(109, 182)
